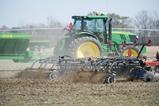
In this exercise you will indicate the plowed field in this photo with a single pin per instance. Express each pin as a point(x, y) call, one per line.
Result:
point(44, 92)
point(35, 89)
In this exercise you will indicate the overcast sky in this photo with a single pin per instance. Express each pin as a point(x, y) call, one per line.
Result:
point(21, 12)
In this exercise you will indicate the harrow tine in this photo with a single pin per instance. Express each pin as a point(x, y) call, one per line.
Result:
point(112, 67)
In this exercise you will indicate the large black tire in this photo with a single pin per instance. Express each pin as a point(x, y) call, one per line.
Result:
point(85, 47)
point(134, 51)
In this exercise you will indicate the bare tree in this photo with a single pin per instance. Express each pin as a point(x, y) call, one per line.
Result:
point(142, 20)
point(120, 21)
point(147, 20)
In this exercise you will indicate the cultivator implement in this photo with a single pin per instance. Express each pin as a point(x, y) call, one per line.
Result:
point(110, 67)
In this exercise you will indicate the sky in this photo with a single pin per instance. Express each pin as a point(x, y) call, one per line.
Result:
point(15, 13)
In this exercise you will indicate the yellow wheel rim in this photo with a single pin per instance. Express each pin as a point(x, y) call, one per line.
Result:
point(87, 49)
point(130, 53)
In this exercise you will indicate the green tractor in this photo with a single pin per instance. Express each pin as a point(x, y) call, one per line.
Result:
point(14, 46)
point(126, 44)
point(92, 36)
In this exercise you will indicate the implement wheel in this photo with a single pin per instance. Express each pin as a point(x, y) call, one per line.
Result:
point(85, 47)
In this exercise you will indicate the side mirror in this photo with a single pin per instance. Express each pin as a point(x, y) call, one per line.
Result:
point(149, 43)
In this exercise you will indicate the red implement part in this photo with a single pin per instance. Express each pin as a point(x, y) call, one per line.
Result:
point(129, 52)
point(152, 63)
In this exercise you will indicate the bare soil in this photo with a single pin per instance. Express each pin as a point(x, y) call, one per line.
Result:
point(22, 92)
point(73, 77)
point(33, 88)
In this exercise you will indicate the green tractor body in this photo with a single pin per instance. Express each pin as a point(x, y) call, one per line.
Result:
point(14, 46)
point(92, 36)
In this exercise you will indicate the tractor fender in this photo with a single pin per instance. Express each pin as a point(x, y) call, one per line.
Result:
point(83, 34)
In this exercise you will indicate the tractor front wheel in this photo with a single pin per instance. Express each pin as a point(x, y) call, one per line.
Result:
point(130, 52)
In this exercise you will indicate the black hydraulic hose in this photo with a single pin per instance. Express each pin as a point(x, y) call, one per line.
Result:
point(110, 29)
point(140, 50)
point(110, 33)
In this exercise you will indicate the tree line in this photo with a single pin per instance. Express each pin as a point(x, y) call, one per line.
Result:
point(143, 20)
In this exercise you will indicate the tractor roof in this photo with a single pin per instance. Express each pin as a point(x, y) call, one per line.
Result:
point(14, 35)
point(90, 17)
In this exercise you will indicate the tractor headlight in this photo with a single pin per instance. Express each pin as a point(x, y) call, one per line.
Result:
point(28, 49)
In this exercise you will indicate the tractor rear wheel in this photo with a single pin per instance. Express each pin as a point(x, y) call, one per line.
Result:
point(130, 52)
point(85, 47)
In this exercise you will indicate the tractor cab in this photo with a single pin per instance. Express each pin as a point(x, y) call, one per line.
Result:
point(89, 24)
point(94, 25)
